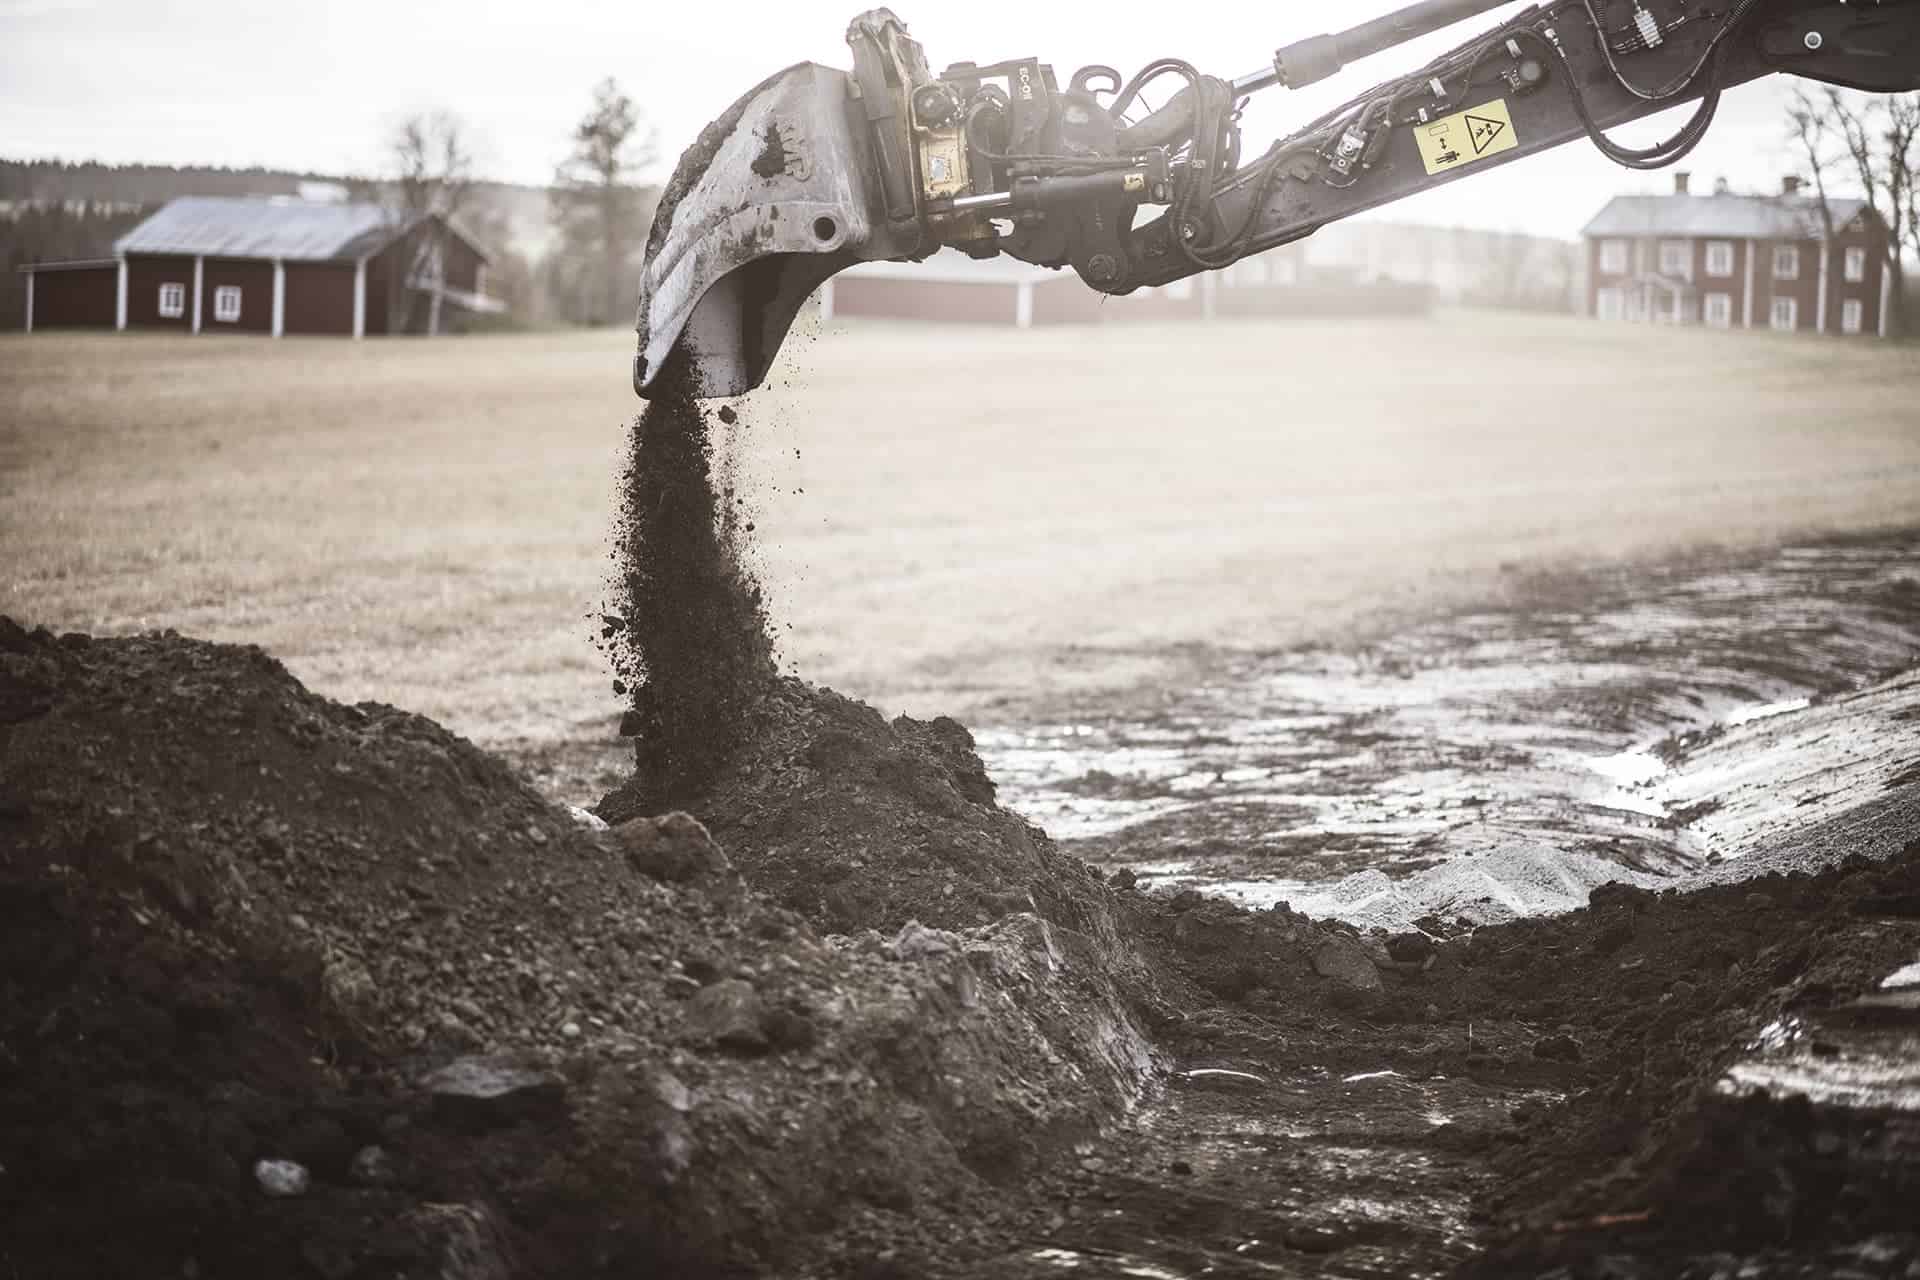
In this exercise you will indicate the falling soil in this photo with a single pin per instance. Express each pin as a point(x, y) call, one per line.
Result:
point(689, 634)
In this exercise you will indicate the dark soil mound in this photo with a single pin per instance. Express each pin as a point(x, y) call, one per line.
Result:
point(861, 823)
point(1657, 1160)
point(689, 639)
point(239, 923)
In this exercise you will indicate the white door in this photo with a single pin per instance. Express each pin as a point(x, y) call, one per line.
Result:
point(1786, 314)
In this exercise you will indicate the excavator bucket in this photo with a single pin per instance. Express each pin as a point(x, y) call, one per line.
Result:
point(786, 188)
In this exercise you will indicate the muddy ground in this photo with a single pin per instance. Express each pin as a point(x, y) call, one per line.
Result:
point(884, 1026)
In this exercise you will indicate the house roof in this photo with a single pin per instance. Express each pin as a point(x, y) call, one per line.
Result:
point(1739, 217)
point(269, 227)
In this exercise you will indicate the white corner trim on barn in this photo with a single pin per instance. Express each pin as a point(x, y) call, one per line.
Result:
point(1746, 318)
point(1886, 298)
point(360, 298)
point(30, 276)
point(1023, 305)
point(279, 297)
point(199, 273)
point(1820, 321)
point(120, 298)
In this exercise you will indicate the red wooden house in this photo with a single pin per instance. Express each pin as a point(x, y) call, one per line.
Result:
point(1742, 262)
point(270, 266)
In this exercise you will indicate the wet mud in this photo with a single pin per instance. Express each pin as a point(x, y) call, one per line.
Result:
point(1495, 763)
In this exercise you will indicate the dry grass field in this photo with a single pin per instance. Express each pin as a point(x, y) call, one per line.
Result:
point(950, 519)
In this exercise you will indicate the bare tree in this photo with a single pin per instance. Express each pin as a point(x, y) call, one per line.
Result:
point(1872, 142)
point(431, 162)
point(599, 208)
point(430, 181)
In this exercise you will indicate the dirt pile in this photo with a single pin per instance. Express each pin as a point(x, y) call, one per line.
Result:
point(689, 637)
point(242, 924)
point(1660, 1162)
point(860, 823)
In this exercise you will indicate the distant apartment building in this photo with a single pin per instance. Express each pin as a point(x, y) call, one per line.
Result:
point(1731, 261)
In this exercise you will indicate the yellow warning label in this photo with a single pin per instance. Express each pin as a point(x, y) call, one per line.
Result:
point(1466, 136)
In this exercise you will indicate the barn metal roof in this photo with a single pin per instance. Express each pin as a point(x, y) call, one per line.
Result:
point(1738, 217)
point(266, 227)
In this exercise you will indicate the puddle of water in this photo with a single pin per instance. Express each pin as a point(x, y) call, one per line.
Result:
point(1109, 1263)
point(1222, 1074)
point(1767, 711)
point(1908, 976)
point(1776, 1035)
point(1628, 768)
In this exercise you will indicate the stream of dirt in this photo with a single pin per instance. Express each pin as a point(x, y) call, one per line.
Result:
point(688, 636)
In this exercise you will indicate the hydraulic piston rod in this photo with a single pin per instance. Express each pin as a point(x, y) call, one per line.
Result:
point(1305, 61)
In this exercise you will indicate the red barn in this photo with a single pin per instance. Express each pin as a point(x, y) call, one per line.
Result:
point(270, 266)
point(1742, 262)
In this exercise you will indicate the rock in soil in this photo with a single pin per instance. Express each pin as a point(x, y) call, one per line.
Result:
point(483, 1093)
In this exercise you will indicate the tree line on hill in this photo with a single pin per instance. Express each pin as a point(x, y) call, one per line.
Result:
point(565, 254)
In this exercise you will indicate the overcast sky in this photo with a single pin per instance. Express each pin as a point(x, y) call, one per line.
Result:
point(314, 85)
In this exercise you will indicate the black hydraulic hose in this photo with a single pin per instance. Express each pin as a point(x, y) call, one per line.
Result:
point(1662, 154)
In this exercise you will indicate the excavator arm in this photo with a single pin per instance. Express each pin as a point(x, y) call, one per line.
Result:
point(816, 169)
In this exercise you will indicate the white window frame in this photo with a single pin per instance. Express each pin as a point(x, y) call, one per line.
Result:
point(1716, 310)
point(1613, 257)
point(226, 303)
point(1676, 258)
point(1720, 259)
point(1853, 315)
point(173, 300)
point(1786, 262)
point(1609, 304)
point(1856, 268)
point(1792, 316)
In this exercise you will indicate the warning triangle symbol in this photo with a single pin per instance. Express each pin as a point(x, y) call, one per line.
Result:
point(1484, 131)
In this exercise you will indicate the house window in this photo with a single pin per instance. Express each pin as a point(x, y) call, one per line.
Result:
point(1852, 315)
point(226, 303)
point(1719, 310)
point(1856, 265)
point(1786, 262)
point(1720, 258)
point(1786, 314)
point(1613, 257)
point(1676, 259)
point(1608, 305)
point(173, 301)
